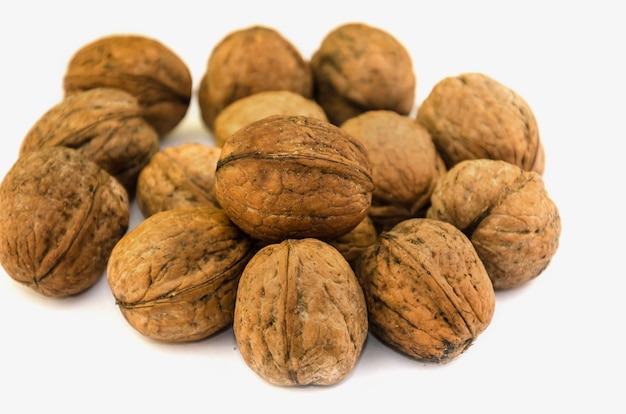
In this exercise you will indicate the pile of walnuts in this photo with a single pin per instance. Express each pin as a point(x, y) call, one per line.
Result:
point(324, 211)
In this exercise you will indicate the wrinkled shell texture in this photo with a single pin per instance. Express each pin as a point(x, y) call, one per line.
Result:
point(300, 315)
point(404, 161)
point(507, 214)
point(60, 216)
point(472, 116)
point(352, 244)
point(358, 68)
point(293, 177)
point(178, 176)
point(257, 106)
point(140, 65)
point(247, 61)
point(174, 276)
point(103, 124)
point(428, 294)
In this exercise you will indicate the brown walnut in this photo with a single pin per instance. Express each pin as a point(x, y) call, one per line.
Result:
point(257, 106)
point(352, 244)
point(174, 276)
point(60, 216)
point(405, 164)
point(140, 65)
point(293, 177)
point(300, 316)
point(472, 116)
point(358, 67)
point(247, 61)
point(428, 294)
point(507, 214)
point(103, 124)
point(178, 176)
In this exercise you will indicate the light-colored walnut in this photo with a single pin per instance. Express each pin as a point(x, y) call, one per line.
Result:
point(507, 214)
point(174, 276)
point(60, 216)
point(428, 294)
point(300, 315)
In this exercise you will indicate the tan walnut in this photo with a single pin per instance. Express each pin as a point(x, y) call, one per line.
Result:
point(293, 177)
point(473, 116)
point(358, 67)
point(507, 214)
point(405, 164)
point(140, 65)
point(60, 216)
point(178, 176)
point(428, 294)
point(105, 125)
point(300, 315)
point(250, 60)
point(174, 276)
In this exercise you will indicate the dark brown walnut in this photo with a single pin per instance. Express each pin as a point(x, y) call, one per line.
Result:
point(472, 116)
point(174, 276)
point(507, 214)
point(300, 315)
point(178, 176)
point(293, 177)
point(103, 124)
point(357, 68)
point(257, 106)
point(247, 61)
point(140, 65)
point(352, 244)
point(428, 294)
point(60, 216)
point(405, 164)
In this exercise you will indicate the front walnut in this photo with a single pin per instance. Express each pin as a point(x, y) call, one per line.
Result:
point(428, 294)
point(293, 177)
point(174, 276)
point(300, 315)
point(507, 214)
point(60, 216)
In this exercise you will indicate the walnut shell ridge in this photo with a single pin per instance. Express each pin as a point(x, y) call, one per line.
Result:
point(428, 294)
point(507, 214)
point(300, 315)
point(60, 216)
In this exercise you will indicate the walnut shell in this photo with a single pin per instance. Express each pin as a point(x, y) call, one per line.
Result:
point(357, 68)
point(428, 294)
point(247, 61)
point(60, 216)
point(352, 244)
point(300, 316)
point(178, 176)
point(140, 65)
point(293, 177)
point(257, 106)
point(405, 164)
point(174, 276)
point(507, 214)
point(472, 116)
point(103, 124)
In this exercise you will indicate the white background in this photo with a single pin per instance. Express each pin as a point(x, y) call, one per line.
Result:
point(554, 345)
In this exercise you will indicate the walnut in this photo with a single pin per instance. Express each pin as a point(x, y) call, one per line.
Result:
point(178, 176)
point(352, 244)
point(103, 124)
point(247, 61)
point(507, 214)
point(405, 164)
point(357, 68)
point(140, 65)
point(290, 176)
point(60, 216)
point(251, 108)
point(472, 116)
point(174, 276)
point(300, 315)
point(428, 294)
